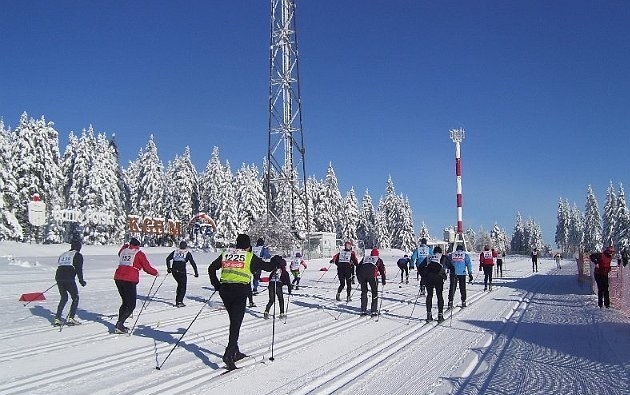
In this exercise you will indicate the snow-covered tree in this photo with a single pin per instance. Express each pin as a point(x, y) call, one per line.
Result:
point(366, 229)
point(227, 221)
point(592, 223)
point(35, 163)
point(499, 239)
point(533, 236)
point(621, 231)
point(350, 212)
point(382, 235)
point(183, 188)
point(562, 226)
point(250, 198)
point(423, 233)
point(328, 206)
point(211, 180)
point(406, 235)
point(576, 230)
point(10, 228)
point(518, 243)
point(609, 216)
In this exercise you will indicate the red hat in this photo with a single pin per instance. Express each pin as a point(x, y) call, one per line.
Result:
point(374, 252)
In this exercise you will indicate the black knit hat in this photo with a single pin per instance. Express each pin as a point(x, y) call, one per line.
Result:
point(243, 241)
point(260, 242)
point(134, 242)
point(183, 245)
point(75, 245)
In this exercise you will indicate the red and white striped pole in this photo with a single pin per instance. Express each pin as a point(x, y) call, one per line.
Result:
point(457, 135)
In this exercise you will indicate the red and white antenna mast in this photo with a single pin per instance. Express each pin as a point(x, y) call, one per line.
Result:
point(457, 135)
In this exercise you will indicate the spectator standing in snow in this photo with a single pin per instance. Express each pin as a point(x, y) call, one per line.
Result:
point(535, 260)
point(602, 268)
point(419, 259)
point(435, 276)
point(69, 266)
point(179, 258)
point(345, 261)
point(366, 273)
point(127, 276)
point(296, 263)
point(238, 266)
point(403, 265)
point(459, 265)
point(486, 263)
point(277, 279)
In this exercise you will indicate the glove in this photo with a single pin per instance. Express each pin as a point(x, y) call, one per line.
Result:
point(168, 270)
point(83, 283)
point(480, 269)
point(196, 274)
point(470, 278)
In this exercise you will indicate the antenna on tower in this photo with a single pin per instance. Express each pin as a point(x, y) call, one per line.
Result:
point(287, 203)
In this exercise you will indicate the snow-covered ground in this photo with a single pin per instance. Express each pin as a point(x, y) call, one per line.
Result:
point(535, 333)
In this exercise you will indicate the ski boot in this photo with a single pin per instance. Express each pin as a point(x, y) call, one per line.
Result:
point(490, 287)
point(239, 355)
point(450, 305)
point(57, 322)
point(266, 315)
point(72, 321)
point(121, 329)
point(338, 297)
point(440, 318)
point(252, 304)
point(348, 299)
point(374, 313)
point(463, 303)
point(429, 317)
point(363, 312)
point(282, 315)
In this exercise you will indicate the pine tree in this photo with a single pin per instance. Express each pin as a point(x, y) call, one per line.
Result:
point(609, 217)
point(227, 221)
point(183, 191)
point(406, 234)
point(211, 179)
point(621, 231)
point(592, 223)
point(366, 229)
point(424, 232)
point(328, 207)
point(250, 197)
point(350, 222)
point(382, 235)
point(562, 227)
point(10, 228)
point(576, 230)
point(499, 238)
point(518, 243)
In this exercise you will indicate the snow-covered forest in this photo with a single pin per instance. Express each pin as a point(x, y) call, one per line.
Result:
point(88, 177)
point(592, 231)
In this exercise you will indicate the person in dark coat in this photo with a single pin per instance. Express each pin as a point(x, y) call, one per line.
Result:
point(238, 266)
point(367, 270)
point(345, 261)
point(436, 275)
point(179, 258)
point(602, 268)
point(70, 265)
point(277, 279)
point(403, 264)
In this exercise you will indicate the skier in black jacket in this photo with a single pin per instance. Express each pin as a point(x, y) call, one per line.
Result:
point(366, 273)
point(436, 275)
point(70, 265)
point(178, 270)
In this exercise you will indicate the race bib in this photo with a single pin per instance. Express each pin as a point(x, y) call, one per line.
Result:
point(234, 259)
point(344, 256)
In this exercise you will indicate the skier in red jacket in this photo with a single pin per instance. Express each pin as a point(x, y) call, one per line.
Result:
point(602, 268)
point(127, 276)
point(486, 263)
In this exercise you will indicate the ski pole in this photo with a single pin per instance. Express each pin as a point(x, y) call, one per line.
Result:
point(380, 303)
point(286, 312)
point(273, 325)
point(143, 306)
point(414, 305)
point(158, 367)
point(328, 268)
point(66, 320)
point(156, 290)
point(48, 289)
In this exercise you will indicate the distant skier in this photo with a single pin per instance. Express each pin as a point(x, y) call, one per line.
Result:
point(70, 265)
point(535, 260)
point(403, 265)
point(296, 263)
point(178, 270)
point(460, 265)
point(345, 261)
point(277, 279)
point(435, 276)
point(602, 268)
point(500, 257)
point(419, 259)
point(367, 271)
point(261, 251)
point(486, 263)
point(127, 276)
point(558, 258)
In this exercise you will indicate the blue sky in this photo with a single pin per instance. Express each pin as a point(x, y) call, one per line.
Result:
point(541, 88)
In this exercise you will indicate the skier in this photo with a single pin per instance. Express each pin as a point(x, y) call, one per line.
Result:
point(403, 265)
point(500, 256)
point(261, 251)
point(459, 265)
point(277, 279)
point(367, 270)
point(535, 260)
point(345, 259)
point(557, 258)
point(486, 263)
point(70, 265)
point(238, 267)
point(418, 258)
point(435, 274)
point(602, 268)
point(127, 276)
point(296, 262)
point(179, 258)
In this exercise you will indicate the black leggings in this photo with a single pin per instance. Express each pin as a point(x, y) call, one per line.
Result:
point(404, 269)
point(127, 291)
point(275, 289)
point(455, 280)
point(487, 275)
point(344, 272)
point(364, 294)
point(181, 279)
point(603, 296)
point(439, 287)
point(65, 288)
point(234, 298)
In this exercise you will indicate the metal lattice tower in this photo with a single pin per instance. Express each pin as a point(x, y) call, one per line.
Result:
point(286, 170)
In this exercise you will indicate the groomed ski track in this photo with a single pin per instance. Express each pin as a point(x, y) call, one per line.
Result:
point(324, 347)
